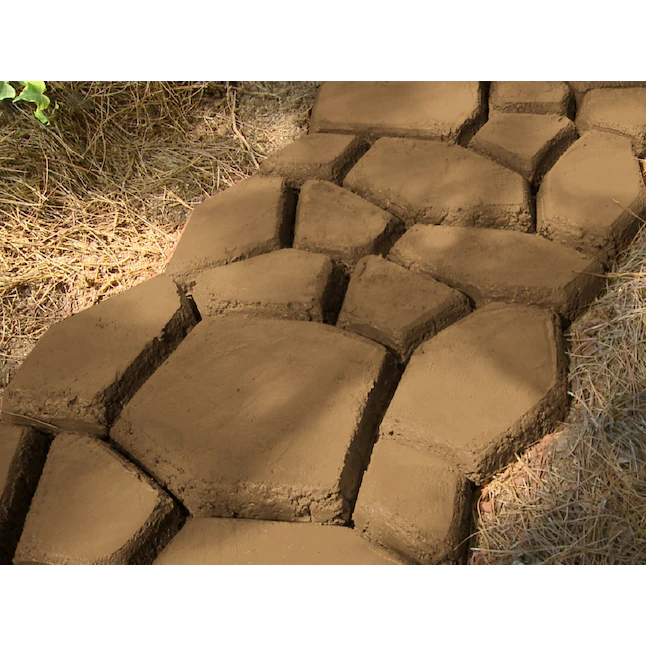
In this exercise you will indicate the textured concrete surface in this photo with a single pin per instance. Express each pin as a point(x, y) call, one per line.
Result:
point(226, 541)
point(584, 199)
point(528, 144)
point(93, 507)
point(261, 419)
point(22, 457)
point(407, 205)
point(396, 307)
point(533, 97)
point(620, 111)
point(478, 391)
point(336, 222)
point(414, 503)
point(491, 265)
point(316, 156)
point(250, 218)
point(283, 284)
point(449, 111)
point(87, 366)
point(434, 182)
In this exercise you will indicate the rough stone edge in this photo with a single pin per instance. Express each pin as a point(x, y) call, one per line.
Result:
point(564, 108)
point(405, 344)
point(540, 420)
point(95, 417)
point(160, 527)
point(24, 474)
point(545, 158)
point(574, 298)
point(440, 552)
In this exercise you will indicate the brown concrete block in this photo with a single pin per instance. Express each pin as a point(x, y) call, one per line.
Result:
point(22, 456)
point(483, 389)
point(396, 307)
point(414, 504)
point(282, 284)
point(94, 507)
point(450, 111)
point(341, 224)
point(619, 111)
point(319, 156)
point(250, 218)
point(531, 97)
point(237, 541)
point(492, 265)
point(528, 144)
point(261, 418)
point(87, 366)
point(432, 182)
point(586, 199)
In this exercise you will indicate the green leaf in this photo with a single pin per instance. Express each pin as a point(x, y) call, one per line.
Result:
point(33, 92)
point(6, 91)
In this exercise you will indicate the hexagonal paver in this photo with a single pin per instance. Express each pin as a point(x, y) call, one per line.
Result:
point(414, 503)
point(22, 456)
point(583, 200)
point(482, 389)
point(492, 265)
point(261, 418)
point(319, 156)
point(250, 218)
point(528, 144)
point(227, 541)
point(622, 111)
point(439, 183)
point(535, 97)
point(450, 111)
point(282, 284)
point(87, 366)
point(341, 224)
point(94, 507)
point(396, 307)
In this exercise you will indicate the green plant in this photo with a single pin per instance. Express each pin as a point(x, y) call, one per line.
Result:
point(33, 92)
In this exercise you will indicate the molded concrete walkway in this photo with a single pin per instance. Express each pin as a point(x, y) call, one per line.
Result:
point(343, 347)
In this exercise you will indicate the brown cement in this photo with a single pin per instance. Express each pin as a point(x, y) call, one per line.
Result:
point(621, 111)
point(482, 389)
point(396, 307)
point(22, 457)
point(318, 156)
point(282, 284)
point(94, 507)
point(250, 218)
point(533, 97)
point(261, 419)
point(433, 182)
point(341, 224)
point(87, 366)
point(450, 111)
point(414, 504)
point(492, 265)
point(528, 144)
point(225, 541)
point(583, 199)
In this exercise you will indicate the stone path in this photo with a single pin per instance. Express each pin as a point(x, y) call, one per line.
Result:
point(343, 347)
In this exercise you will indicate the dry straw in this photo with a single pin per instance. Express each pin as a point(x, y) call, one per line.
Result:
point(95, 203)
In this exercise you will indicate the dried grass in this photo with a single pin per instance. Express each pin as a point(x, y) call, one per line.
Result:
point(579, 495)
point(95, 203)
